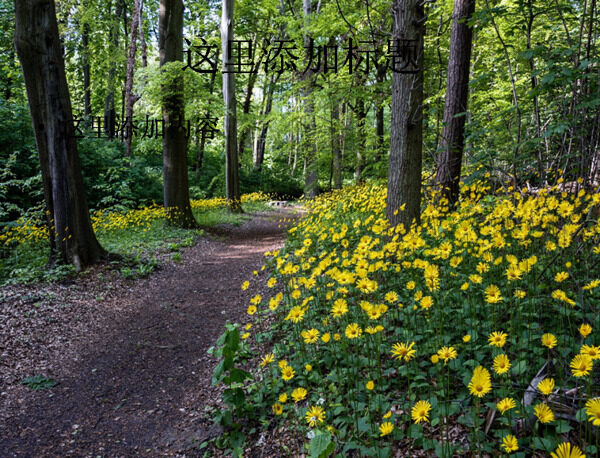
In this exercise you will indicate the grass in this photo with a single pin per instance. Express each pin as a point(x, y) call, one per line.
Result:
point(136, 235)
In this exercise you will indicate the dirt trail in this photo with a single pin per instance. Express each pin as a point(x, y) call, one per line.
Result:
point(129, 355)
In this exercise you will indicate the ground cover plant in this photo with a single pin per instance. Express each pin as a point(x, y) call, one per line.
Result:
point(473, 333)
point(136, 233)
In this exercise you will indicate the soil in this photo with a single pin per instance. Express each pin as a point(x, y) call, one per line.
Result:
point(130, 356)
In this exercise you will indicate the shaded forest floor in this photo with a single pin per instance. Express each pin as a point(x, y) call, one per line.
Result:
point(130, 356)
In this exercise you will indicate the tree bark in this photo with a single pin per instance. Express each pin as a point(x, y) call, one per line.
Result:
point(110, 115)
point(130, 97)
point(311, 178)
point(361, 116)
point(39, 49)
point(403, 204)
point(232, 181)
point(457, 92)
point(336, 147)
point(176, 188)
point(262, 139)
point(85, 38)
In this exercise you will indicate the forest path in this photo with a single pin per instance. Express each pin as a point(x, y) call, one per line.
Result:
point(130, 356)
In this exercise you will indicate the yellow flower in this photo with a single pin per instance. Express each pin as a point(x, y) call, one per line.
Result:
point(245, 335)
point(497, 339)
point(549, 340)
point(466, 338)
point(283, 398)
point(447, 353)
point(561, 276)
point(585, 330)
point(520, 294)
point(420, 411)
point(581, 365)
point(592, 409)
point(505, 404)
point(566, 450)
point(272, 282)
point(426, 302)
point(277, 409)
point(391, 297)
point(310, 336)
point(388, 414)
point(544, 413)
point(340, 308)
point(256, 299)
point(385, 428)
point(267, 359)
point(295, 315)
point(299, 394)
point(251, 310)
point(315, 415)
point(403, 350)
point(370, 385)
point(510, 443)
point(591, 351)
point(336, 337)
point(481, 382)
point(245, 285)
point(493, 295)
point(353, 331)
point(326, 337)
point(546, 386)
point(411, 285)
point(501, 364)
point(287, 373)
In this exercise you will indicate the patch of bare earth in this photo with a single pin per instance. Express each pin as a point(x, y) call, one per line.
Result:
point(130, 356)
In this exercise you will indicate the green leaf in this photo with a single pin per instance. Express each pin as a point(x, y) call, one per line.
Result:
point(321, 446)
point(38, 382)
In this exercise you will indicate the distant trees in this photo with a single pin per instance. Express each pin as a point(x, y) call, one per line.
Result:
point(72, 238)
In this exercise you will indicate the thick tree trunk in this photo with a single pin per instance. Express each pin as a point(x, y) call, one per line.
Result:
point(404, 175)
point(39, 49)
point(457, 93)
point(130, 97)
point(232, 181)
point(176, 188)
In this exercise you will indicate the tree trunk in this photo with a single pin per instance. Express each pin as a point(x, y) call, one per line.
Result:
point(143, 36)
point(361, 116)
point(311, 182)
point(457, 92)
point(110, 114)
point(85, 38)
point(262, 139)
point(336, 150)
point(176, 189)
point(39, 49)
point(245, 130)
point(232, 181)
point(379, 115)
point(130, 97)
point(404, 175)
